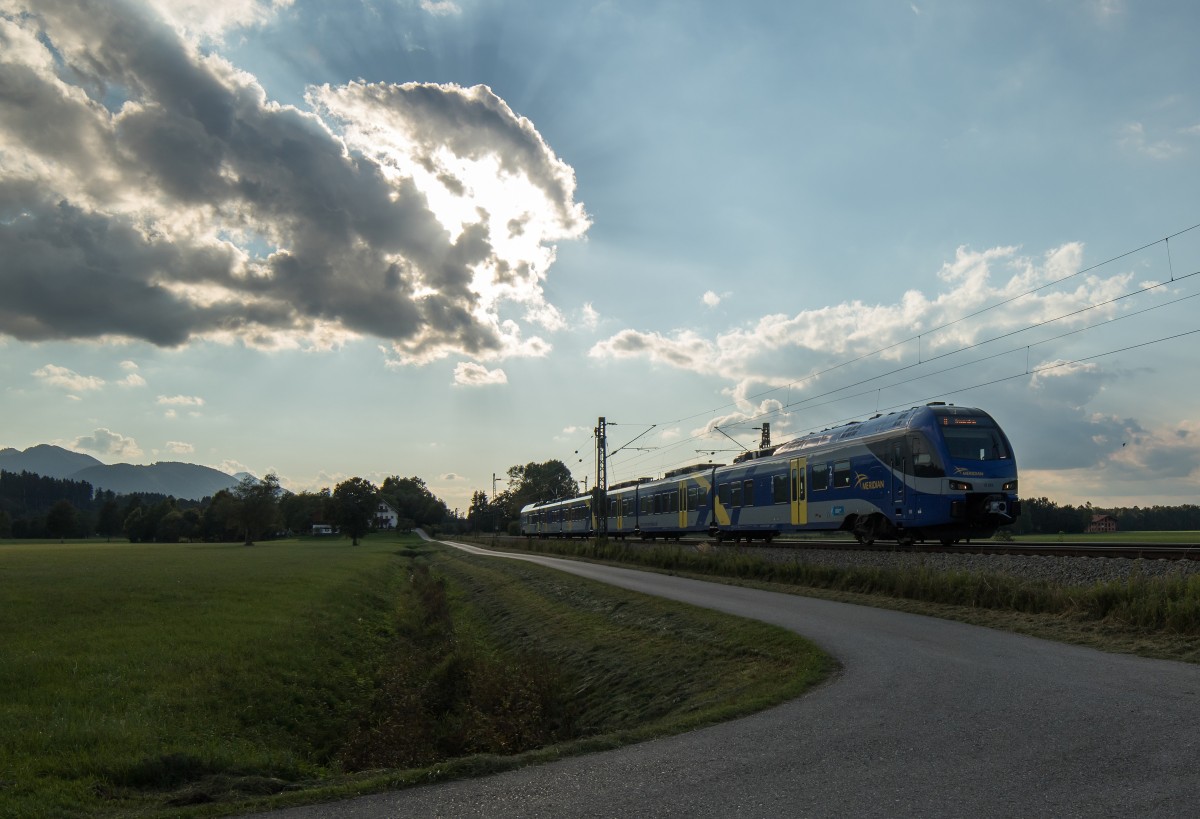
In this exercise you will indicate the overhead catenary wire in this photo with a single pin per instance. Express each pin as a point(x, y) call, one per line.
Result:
point(807, 403)
point(812, 402)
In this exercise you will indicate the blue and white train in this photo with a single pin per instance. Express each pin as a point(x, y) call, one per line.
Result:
point(937, 472)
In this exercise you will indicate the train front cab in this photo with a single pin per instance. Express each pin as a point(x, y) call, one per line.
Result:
point(980, 473)
point(955, 476)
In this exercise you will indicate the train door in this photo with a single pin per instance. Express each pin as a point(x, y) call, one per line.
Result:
point(798, 467)
point(899, 469)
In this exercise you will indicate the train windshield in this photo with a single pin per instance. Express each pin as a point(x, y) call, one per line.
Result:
point(975, 443)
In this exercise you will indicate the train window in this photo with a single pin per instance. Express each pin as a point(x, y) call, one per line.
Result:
point(925, 460)
point(693, 498)
point(779, 489)
point(820, 477)
point(735, 494)
point(974, 444)
point(797, 485)
point(628, 506)
point(841, 473)
point(644, 505)
point(673, 498)
point(724, 496)
point(748, 493)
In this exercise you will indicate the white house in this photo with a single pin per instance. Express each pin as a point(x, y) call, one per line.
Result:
point(385, 516)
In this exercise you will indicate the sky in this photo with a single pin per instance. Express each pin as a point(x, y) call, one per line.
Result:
point(440, 238)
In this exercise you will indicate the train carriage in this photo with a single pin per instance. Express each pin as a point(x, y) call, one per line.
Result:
point(937, 472)
point(679, 504)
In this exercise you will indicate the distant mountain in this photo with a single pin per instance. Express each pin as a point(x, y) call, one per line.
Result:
point(165, 477)
point(46, 460)
point(181, 480)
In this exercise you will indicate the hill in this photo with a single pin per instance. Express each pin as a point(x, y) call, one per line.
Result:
point(46, 460)
point(182, 480)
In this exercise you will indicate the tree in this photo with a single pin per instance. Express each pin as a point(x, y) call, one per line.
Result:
point(354, 505)
point(535, 482)
point(412, 500)
point(302, 509)
point(61, 519)
point(480, 512)
point(219, 524)
point(257, 510)
point(109, 522)
point(132, 526)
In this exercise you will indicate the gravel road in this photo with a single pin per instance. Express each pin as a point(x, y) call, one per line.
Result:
point(927, 718)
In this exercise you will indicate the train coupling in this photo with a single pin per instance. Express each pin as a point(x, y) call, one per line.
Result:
point(997, 506)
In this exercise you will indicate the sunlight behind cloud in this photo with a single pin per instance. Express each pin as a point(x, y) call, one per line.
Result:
point(410, 213)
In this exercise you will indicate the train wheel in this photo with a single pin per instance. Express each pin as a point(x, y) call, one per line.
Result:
point(865, 530)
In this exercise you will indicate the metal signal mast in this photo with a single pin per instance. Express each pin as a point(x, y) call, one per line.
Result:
point(600, 491)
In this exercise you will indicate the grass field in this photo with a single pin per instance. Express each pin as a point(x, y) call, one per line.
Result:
point(1167, 538)
point(146, 680)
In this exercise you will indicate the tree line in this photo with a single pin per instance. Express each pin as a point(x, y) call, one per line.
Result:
point(34, 506)
point(1042, 516)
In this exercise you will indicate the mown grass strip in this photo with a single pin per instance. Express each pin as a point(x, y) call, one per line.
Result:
point(1160, 615)
point(147, 680)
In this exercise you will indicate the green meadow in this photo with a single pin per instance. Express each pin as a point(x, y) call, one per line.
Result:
point(202, 679)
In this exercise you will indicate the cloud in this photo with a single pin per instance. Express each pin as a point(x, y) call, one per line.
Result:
point(451, 476)
point(132, 379)
point(441, 8)
point(232, 467)
point(408, 213)
point(57, 376)
point(469, 374)
point(710, 299)
point(686, 350)
point(181, 400)
point(767, 350)
point(212, 18)
point(104, 441)
point(180, 448)
point(1133, 137)
point(589, 317)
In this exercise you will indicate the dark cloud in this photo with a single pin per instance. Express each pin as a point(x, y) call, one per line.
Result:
point(198, 207)
point(71, 274)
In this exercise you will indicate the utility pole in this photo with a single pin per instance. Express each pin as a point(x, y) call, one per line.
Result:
point(495, 520)
point(600, 492)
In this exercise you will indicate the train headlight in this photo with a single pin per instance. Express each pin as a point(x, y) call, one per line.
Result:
point(960, 486)
point(1011, 486)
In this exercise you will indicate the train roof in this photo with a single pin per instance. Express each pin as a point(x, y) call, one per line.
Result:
point(877, 424)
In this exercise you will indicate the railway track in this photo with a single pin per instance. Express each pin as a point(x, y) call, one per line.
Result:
point(1108, 549)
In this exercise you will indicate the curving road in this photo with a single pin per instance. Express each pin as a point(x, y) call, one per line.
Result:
point(928, 718)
